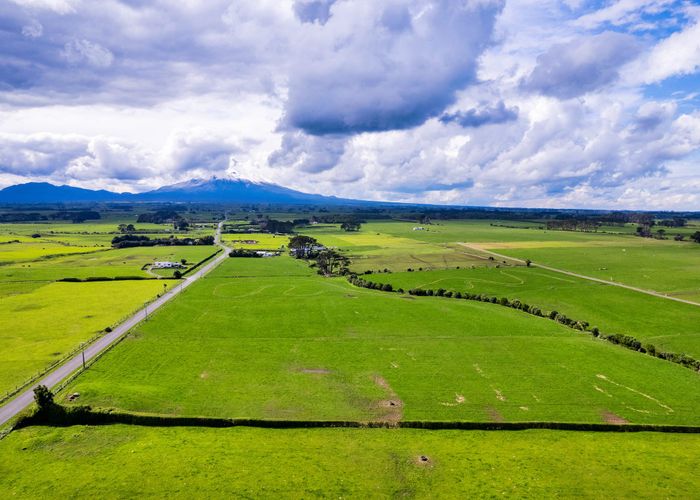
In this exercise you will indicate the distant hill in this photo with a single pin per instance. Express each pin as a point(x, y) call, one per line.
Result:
point(196, 191)
point(43, 192)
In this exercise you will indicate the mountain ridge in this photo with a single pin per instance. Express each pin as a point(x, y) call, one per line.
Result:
point(214, 190)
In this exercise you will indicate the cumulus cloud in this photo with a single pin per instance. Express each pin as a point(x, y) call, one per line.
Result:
point(679, 54)
point(466, 102)
point(582, 65)
point(476, 117)
point(372, 79)
point(308, 153)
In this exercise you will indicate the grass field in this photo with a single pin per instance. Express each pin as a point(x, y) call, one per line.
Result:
point(670, 325)
point(662, 265)
point(79, 462)
point(277, 342)
point(105, 263)
point(41, 322)
point(265, 241)
point(373, 249)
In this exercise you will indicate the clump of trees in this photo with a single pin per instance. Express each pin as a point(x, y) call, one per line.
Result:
point(132, 240)
point(76, 216)
point(159, 217)
point(244, 252)
point(350, 226)
point(304, 247)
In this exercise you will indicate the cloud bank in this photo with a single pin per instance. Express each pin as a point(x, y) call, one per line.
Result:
point(529, 103)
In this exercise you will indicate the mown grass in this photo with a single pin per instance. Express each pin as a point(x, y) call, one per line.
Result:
point(109, 461)
point(669, 325)
point(304, 347)
point(41, 322)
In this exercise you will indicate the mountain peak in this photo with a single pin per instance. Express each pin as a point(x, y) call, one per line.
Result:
point(232, 189)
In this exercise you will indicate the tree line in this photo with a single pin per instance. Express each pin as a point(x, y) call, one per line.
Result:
point(133, 240)
point(626, 341)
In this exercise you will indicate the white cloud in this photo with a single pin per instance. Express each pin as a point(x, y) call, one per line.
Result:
point(679, 54)
point(84, 51)
point(33, 29)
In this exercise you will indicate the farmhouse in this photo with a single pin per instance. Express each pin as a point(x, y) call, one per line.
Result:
point(419, 228)
point(166, 265)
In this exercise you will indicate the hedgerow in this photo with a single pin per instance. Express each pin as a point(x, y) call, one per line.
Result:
point(626, 341)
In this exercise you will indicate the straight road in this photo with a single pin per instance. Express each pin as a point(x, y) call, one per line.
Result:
point(13, 407)
point(583, 276)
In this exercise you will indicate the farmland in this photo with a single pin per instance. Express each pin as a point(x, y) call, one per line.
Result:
point(360, 463)
point(42, 322)
point(667, 324)
point(43, 319)
point(279, 344)
point(661, 265)
point(273, 339)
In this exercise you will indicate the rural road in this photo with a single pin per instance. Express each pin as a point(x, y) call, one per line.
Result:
point(583, 276)
point(19, 403)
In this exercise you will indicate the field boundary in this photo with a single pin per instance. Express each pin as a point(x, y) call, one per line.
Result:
point(60, 416)
point(206, 259)
point(585, 277)
point(626, 341)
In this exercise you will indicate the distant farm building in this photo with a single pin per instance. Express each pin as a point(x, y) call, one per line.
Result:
point(265, 253)
point(166, 265)
point(419, 228)
point(246, 242)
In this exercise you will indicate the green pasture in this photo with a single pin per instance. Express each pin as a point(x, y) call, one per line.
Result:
point(661, 265)
point(264, 241)
point(11, 253)
point(667, 324)
point(42, 322)
point(106, 263)
point(668, 267)
point(112, 461)
point(284, 345)
point(371, 249)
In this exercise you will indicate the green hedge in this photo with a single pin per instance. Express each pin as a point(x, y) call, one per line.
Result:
point(60, 416)
point(626, 341)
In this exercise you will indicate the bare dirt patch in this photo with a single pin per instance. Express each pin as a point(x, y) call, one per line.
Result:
point(204, 375)
point(610, 418)
point(423, 461)
point(391, 407)
point(315, 371)
point(494, 415)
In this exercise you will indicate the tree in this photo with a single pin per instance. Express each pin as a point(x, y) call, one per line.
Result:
point(528, 262)
point(302, 246)
point(350, 226)
point(181, 224)
point(177, 274)
point(43, 397)
point(183, 261)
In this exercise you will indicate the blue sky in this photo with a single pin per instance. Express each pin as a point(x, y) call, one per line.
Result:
point(550, 103)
